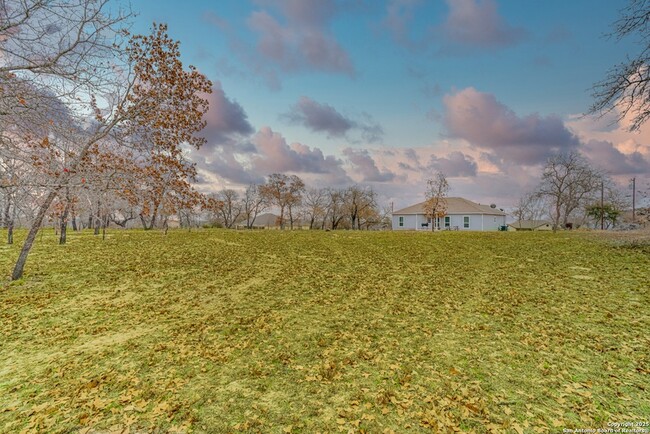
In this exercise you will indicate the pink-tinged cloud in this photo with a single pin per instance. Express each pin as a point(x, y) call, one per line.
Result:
point(225, 119)
point(304, 41)
point(605, 155)
point(484, 122)
point(319, 117)
point(323, 118)
point(477, 24)
point(275, 155)
point(364, 165)
point(455, 164)
point(413, 166)
point(223, 163)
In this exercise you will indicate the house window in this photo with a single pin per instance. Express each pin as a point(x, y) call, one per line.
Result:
point(495, 219)
point(466, 222)
point(401, 221)
point(447, 221)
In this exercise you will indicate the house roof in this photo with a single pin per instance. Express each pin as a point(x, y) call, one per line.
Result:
point(529, 224)
point(266, 220)
point(455, 205)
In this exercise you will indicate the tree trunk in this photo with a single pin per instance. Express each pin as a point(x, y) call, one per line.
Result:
point(557, 218)
point(10, 231)
point(154, 216)
point(64, 226)
point(152, 222)
point(90, 220)
point(7, 213)
point(147, 225)
point(143, 221)
point(73, 219)
point(64, 218)
point(9, 220)
point(98, 217)
point(10, 226)
point(104, 224)
point(31, 236)
point(281, 217)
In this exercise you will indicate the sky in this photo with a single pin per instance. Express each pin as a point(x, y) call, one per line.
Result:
point(386, 93)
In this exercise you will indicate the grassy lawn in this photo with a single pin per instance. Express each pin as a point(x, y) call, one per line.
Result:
point(266, 331)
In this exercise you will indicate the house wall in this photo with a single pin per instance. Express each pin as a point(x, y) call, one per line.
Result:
point(409, 222)
point(493, 222)
point(477, 222)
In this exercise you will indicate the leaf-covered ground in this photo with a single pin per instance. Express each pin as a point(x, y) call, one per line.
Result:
point(267, 331)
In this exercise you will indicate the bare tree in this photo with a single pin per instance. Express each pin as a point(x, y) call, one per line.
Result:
point(121, 216)
point(285, 192)
point(230, 207)
point(385, 217)
point(358, 201)
point(626, 88)
point(212, 207)
point(335, 206)
point(368, 217)
point(294, 201)
point(62, 39)
point(12, 190)
point(253, 203)
point(53, 53)
point(531, 206)
point(315, 203)
point(152, 102)
point(568, 182)
point(435, 205)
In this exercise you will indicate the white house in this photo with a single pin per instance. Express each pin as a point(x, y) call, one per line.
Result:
point(462, 215)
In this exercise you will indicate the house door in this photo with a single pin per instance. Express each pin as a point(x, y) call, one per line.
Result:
point(436, 226)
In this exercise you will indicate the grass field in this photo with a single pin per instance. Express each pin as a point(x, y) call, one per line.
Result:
point(267, 331)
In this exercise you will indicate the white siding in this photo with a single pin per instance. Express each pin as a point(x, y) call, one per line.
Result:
point(493, 222)
point(477, 222)
point(409, 222)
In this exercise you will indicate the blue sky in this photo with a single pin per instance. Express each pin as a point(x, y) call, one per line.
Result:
point(384, 93)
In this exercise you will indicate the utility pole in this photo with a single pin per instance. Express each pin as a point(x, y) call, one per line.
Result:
point(602, 206)
point(633, 199)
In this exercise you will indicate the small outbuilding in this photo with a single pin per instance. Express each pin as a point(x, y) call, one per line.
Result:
point(530, 225)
